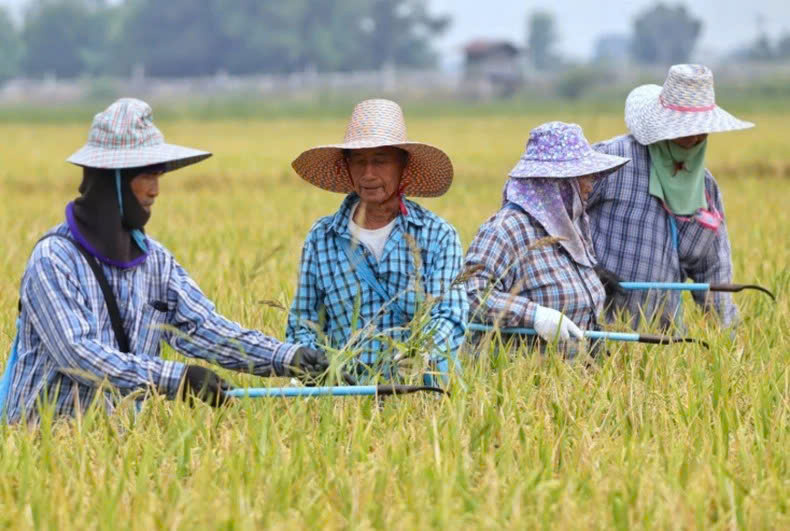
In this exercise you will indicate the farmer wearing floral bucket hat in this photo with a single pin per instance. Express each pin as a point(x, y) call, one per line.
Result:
point(98, 294)
point(377, 277)
point(533, 260)
point(661, 217)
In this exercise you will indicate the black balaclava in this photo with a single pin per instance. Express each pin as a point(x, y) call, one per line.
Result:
point(98, 214)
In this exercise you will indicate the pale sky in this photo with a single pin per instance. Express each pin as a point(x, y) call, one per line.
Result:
point(726, 23)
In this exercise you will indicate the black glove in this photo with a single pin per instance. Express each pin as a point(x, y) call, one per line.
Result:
point(610, 281)
point(311, 365)
point(205, 385)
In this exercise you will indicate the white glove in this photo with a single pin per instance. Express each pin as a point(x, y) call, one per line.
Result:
point(549, 322)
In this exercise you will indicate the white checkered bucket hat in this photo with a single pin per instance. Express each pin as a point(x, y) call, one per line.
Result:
point(684, 106)
point(377, 123)
point(124, 136)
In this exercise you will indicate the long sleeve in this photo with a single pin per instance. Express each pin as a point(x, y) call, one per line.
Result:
point(61, 315)
point(715, 267)
point(493, 288)
point(205, 334)
point(305, 307)
point(449, 314)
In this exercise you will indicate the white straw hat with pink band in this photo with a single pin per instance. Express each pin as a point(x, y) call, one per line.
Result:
point(377, 123)
point(684, 106)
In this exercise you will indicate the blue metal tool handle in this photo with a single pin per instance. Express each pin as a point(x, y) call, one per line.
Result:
point(346, 390)
point(589, 334)
point(594, 334)
point(674, 286)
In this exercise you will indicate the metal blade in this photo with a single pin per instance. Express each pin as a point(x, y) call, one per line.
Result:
point(734, 288)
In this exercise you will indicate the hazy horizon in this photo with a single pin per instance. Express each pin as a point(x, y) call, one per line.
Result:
point(727, 24)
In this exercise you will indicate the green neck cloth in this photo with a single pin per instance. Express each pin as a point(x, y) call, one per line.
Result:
point(677, 176)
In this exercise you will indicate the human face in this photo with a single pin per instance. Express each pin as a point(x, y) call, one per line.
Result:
point(688, 142)
point(376, 173)
point(145, 188)
point(586, 183)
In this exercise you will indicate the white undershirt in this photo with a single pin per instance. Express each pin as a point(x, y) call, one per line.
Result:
point(374, 239)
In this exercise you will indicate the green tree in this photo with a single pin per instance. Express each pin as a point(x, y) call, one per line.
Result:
point(65, 37)
point(783, 46)
point(273, 36)
point(400, 32)
point(11, 46)
point(541, 38)
point(176, 38)
point(664, 35)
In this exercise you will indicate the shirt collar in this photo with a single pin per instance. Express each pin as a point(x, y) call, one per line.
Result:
point(340, 219)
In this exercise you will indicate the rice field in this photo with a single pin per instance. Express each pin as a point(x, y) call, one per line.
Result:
point(652, 437)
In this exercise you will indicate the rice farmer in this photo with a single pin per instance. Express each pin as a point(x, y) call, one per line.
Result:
point(373, 261)
point(661, 217)
point(520, 278)
point(97, 291)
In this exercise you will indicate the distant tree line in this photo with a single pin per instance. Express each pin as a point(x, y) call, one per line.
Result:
point(661, 34)
point(177, 38)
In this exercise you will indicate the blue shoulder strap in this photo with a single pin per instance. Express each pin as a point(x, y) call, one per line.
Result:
point(5, 383)
point(364, 272)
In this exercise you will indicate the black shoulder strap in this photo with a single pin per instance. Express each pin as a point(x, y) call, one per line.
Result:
point(109, 298)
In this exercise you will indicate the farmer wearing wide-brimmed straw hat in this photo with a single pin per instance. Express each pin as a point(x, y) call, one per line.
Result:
point(661, 217)
point(97, 293)
point(381, 258)
point(522, 279)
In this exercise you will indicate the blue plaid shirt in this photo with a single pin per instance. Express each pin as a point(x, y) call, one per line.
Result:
point(633, 238)
point(332, 296)
point(511, 280)
point(67, 347)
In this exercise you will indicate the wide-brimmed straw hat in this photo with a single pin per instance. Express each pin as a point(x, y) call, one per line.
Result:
point(559, 150)
point(124, 136)
point(377, 123)
point(684, 106)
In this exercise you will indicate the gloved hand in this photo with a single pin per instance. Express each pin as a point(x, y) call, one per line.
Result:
point(310, 367)
point(308, 362)
point(548, 322)
point(610, 280)
point(205, 385)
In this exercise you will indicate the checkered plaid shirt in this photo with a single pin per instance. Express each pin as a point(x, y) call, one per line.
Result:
point(511, 281)
point(632, 237)
point(332, 295)
point(67, 346)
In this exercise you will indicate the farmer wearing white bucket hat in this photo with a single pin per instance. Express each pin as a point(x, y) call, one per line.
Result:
point(97, 293)
point(661, 217)
point(380, 259)
point(552, 287)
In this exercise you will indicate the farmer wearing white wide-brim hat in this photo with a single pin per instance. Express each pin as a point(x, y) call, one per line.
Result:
point(98, 294)
point(661, 217)
point(380, 258)
point(519, 282)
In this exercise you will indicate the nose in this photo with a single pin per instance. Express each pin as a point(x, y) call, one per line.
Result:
point(154, 190)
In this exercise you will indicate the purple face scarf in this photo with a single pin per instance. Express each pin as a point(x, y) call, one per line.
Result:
point(557, 206)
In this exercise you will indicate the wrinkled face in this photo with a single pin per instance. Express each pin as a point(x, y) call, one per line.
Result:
point(145, 188)
point(586, 183)
point(376, 172)
point(688, 142)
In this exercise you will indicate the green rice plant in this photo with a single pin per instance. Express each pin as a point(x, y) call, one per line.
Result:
point(650, 436)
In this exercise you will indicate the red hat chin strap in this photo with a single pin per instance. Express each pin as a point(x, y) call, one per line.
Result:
point(403, 210)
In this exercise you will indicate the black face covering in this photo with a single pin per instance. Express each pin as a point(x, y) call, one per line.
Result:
point(98, 215)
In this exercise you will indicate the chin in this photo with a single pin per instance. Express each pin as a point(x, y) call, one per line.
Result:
point(375, 199)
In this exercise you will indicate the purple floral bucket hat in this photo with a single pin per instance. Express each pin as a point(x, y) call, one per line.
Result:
point(124, 136)
point(559, 150)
